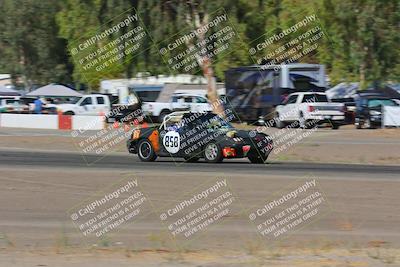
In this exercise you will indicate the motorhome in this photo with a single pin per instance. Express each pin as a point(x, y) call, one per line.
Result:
point(254, 91)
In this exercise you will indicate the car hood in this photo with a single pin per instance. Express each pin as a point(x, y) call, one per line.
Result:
point(232, 133)
point(66, 106)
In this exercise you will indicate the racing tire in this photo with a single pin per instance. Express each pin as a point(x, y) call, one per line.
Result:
point(192, 159)
point(146, 152)
point(213, 153)
point(69, 113)
point(258, 159)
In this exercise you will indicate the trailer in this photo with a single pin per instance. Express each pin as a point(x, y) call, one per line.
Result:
point(254, 91)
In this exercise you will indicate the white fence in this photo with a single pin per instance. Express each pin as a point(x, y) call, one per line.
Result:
point(29, 121)
point(39, 121)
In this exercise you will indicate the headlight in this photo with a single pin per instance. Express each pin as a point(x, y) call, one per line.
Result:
point(374, 113)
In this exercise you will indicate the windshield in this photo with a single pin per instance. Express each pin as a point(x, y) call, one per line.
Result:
point(373, 103)
point(315, 98)
point(215, 122)
point(12, 102)
point(75, 100)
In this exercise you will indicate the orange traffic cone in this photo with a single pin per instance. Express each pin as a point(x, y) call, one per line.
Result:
point(103, 118)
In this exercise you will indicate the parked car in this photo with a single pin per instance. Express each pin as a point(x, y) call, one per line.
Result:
point(13, 105)
point(178, 102)
point(397, 101)
point(307, 107)
point(100, 104)
point(369, 110)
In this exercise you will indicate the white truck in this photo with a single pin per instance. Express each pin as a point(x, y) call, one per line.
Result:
point(178, 102)
point(309, 109)
point(95, 104)
point(99, 104)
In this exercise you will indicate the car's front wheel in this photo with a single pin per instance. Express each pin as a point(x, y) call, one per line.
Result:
point(213, 153)
point(145, 151)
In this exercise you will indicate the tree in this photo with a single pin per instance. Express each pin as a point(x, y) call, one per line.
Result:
point(30, 47)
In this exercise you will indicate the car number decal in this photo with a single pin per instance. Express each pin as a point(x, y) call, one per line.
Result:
point(172, 142)
point(136, 134)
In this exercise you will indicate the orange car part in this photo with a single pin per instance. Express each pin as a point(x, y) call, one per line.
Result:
point(154, 140)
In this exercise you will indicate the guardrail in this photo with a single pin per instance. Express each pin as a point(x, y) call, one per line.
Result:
point(61, 122)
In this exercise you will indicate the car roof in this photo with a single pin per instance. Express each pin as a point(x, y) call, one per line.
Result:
point(187, 94)
point(308, 93)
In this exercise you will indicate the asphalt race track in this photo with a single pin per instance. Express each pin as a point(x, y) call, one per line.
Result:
point(131, 162)
point(38, 188)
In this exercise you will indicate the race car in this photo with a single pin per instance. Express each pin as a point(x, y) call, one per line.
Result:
point(192, 136)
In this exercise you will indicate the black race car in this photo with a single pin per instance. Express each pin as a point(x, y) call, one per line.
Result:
point(198, 135)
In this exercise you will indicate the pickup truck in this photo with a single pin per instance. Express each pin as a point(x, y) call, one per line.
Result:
point(99, 104)
point(178, 102)
point(307, 107)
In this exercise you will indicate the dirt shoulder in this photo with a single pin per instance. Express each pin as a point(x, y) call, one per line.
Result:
point(96, 257)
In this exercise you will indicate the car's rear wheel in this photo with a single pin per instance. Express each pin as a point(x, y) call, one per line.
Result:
point(145, 151)
point(213, 153)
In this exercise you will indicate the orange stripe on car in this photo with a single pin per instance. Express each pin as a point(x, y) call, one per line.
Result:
point(154, 140)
